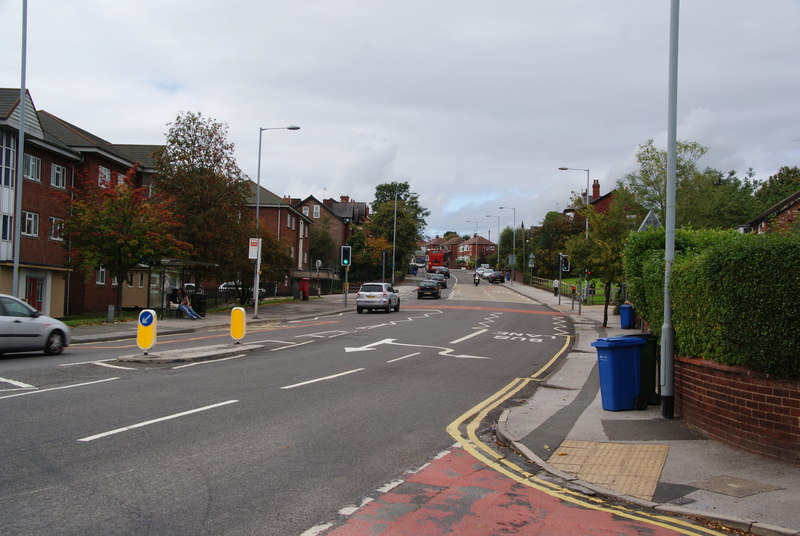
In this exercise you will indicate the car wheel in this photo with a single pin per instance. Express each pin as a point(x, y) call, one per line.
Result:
point(397, 307)
point(388, 307)
point(359, 310)
point(54, 344)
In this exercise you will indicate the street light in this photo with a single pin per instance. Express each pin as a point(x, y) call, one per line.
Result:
point(587, 192)
point(256, 282)
point(498, 236)
point(514, 243)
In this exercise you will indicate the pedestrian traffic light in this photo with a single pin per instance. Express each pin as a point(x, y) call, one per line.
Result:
point(345, 256)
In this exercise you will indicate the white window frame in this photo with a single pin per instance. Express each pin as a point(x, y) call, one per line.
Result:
point(56, 229)
point(141, 279)
point(103, 177)
point(316, 212)
point(100, 277)
point(30, 223)
point(305, 211)
point(58, 176)
point(32, 168)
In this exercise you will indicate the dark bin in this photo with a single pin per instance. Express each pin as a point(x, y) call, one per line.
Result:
point(626, 316)
point(619, 365)
point(199, 304)
point(649, 359)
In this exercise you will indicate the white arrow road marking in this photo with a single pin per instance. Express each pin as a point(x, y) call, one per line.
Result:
point(443, 350)
point(367, 347)
point(18, 384)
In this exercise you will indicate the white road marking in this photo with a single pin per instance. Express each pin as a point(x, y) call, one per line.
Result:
point(462, 339)
point(96, 361)
point(101, 364)
point(160, 419)
point(322, 379)
point(404, 357)
point(58, 388)
point(289, 346)
point(18, 384)
point(210, 361)
point(316, 531)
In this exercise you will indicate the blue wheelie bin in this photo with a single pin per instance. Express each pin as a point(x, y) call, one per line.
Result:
point(619, 365)
point(626, 316)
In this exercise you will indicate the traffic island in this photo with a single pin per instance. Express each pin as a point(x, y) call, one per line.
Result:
point(202, 353)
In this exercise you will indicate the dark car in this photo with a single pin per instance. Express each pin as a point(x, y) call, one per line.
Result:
point(440, 279)
point(496, 277)
point(428, 288)
point(444, 270)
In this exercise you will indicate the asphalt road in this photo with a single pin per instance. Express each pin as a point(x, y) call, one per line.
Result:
point(272, 442)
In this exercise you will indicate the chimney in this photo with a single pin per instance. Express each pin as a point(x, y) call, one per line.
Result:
point(345, 198)
point(596, 189)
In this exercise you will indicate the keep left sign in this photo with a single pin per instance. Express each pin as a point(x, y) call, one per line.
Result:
point(146, 330)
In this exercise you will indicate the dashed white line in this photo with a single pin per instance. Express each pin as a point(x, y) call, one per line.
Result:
point(211, 361)
point(58, 388)
point(404, 357)
point(322, 379)
point(160, 419)
point(109, 365)
point(475, 334)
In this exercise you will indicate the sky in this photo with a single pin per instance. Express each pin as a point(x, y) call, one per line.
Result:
point(475, 104)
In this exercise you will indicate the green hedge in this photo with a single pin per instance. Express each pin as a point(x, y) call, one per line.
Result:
point(735, 298)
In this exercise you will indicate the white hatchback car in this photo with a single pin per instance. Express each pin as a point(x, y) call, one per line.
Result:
point(24, 329)
point(377, 296)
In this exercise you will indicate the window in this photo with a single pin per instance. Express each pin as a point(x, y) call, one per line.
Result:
point(8, 227)
point(56, 229)
point(58, 176)
point(8, 158)
point(316, 212)
point(288, 221)
point(32, 166)
point(305, 211)
point(101, 276)
point(130, 280)
point(141, 279)
point(103, 177)
point(293, 222)
point(30, 223)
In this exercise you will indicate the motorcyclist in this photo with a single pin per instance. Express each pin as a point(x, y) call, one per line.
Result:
point(476, 279)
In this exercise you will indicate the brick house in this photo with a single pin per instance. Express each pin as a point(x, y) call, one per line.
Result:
point(783, 216)
point(475, 248)
point(450, 248)
point(287, 224)
point(56, 152)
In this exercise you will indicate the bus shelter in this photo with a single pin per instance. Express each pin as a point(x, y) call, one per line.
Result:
point(167, 276)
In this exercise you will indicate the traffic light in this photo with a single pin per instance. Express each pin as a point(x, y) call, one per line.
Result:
point(564, 263)
point(345, 256)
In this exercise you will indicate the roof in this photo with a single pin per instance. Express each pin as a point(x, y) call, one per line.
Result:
point(316, 201)
point(479, 240)
point(777, 208)
point(456, 240)
point(348, 210)
point(269, 199)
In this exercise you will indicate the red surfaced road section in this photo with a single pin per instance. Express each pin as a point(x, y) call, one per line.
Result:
point(489, 308)
point(458, 495)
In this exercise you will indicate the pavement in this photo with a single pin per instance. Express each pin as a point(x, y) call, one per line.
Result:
point(637, 455)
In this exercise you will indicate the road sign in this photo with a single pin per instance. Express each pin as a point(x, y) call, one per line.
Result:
point(253, 248)
point(146, 330)
point(238, 324)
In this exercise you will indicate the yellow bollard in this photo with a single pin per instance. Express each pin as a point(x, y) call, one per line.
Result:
point(146, 330)
point(238, 324)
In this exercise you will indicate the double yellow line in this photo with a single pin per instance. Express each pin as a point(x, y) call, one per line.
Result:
point(471, 443)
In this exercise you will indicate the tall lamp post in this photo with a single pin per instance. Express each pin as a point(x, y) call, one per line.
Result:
point(513, 243)
point(475, 238)
point(498, 236)
point(256, 281)
point(587, 191)
point(394, 234)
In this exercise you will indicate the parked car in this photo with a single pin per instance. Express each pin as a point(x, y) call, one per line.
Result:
point(486, 273)
point(377, 296)
point(496, 277)
point(480, 271)
point(24, 329)
point(439, 278)
point(230, 289)
point(428, 288)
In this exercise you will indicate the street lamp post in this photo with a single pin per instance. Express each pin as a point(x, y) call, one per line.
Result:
point(580, 301)
point(256, 281)
point(475, 238)
point(513, 243)
point(394, 234)
point(498, 236)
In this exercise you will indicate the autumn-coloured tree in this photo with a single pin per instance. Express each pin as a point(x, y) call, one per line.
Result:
point(117, 226)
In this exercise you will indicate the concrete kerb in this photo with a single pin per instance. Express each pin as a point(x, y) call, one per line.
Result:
point(203, 353)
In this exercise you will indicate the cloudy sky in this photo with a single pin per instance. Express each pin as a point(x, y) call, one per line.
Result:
point(475, 104)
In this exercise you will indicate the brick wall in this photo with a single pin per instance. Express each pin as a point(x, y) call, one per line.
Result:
point(739, 407)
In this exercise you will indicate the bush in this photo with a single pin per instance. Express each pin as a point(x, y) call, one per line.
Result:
point(734, 297)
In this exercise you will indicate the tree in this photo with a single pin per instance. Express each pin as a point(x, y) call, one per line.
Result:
point(385, 193)
point(197, 168)
point(777, 188)
point(711, 200)
point(648, 184)
point(550, 239)
point(322, 247)
point(119, 227)
point(602, 252)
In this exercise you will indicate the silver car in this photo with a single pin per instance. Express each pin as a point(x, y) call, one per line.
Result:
point(24, 329)
point(377, 296)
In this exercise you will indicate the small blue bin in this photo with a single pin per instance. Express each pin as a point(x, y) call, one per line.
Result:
point(619, 365)
point(626, 316)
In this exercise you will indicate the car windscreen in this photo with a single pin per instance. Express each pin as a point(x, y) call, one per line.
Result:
point(371, 288)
